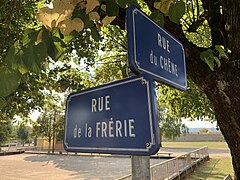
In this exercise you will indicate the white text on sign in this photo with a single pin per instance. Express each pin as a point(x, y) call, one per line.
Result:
point(105, 128)
point(164, 63)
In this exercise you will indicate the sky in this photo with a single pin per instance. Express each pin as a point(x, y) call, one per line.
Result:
point(35, 115)
point(199, 124)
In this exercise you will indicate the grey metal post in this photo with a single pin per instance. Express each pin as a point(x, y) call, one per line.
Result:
point(140, 164)
point(140, 167)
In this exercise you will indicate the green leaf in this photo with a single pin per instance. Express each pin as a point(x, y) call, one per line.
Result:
point(28, 57)
point(158, 17)
point(209, 58)
point(2, 103)
point(33, 57)
point(60, 47)
point(89, 24)
point(217, 61)
point(9, 81)
point(20, 66)
point(132, 2)
point(10, 58)
point(55, 46)
point(52, 50)
point(81, 13)
point(95, 34)
point(29, 37)
point(163, 6)
point(176, 11)
point(24, 78)
point(112, 8)
point(14, 59)
point(221, 51)
point(40, 52)
point(121, 3)
point(36, 68)
point(67, 39)
point(104, 7)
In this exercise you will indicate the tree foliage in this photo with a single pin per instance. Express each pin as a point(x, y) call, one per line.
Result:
point(5, 131)
point(190, 104)
point(204, 130)
point(170, 126)
point(50, 123)
point(50, 42)
point(112, 63)
point(23, 133)
point(15, 16)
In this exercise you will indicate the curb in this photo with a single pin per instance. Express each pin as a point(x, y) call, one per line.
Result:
point(5, 153)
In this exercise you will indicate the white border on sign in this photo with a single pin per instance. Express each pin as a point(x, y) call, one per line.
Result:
point(116, 149)
point(135, 11)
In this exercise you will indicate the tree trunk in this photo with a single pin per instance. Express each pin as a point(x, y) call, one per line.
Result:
point(53, 144)
point(35, 141)
point(229, 125)
point(49, 144)
point(54, 129)
point(225, 97)
point(222, 88)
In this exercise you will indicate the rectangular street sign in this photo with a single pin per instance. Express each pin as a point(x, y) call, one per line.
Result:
point(115, 118)
point(153, 51)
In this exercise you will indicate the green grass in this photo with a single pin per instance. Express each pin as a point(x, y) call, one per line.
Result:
point(214, 169)
point(211, 145)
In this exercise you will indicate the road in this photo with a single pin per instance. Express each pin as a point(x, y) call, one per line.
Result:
point(212, 152)
point(51, 167)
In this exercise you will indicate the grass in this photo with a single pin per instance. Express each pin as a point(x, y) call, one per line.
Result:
point(211, 145)
point(214, 169)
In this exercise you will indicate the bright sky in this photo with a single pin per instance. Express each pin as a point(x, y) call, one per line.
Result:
point(199, 124)
point(35, 115)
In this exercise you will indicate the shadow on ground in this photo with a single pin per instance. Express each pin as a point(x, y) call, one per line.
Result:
point(92, 167)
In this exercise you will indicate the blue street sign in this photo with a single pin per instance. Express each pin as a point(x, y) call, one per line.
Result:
point(153, 51)
point(115, 118)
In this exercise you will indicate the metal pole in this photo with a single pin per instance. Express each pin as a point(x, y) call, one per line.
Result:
point(140, 167)
point(140, 164)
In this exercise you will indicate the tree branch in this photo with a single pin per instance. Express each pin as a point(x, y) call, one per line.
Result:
point(196, 68)
point(215, 20)
point(196, 24)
